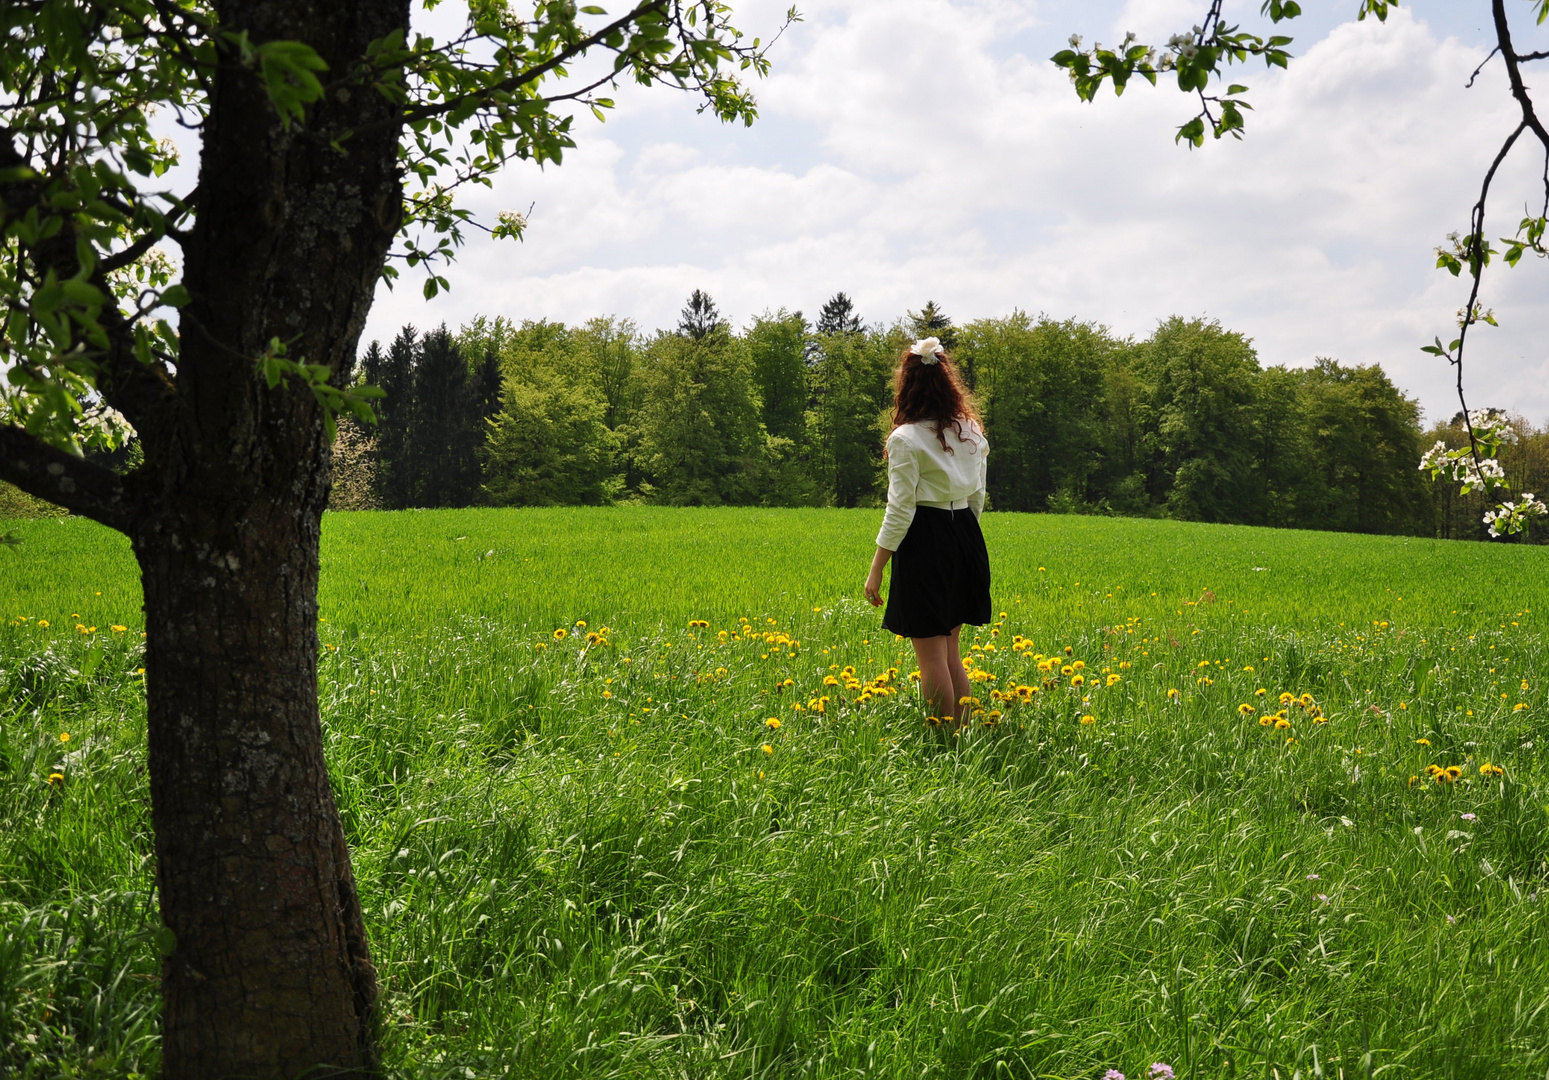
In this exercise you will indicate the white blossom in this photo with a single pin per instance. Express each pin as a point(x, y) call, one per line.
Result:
point(1510, 517)
point(1434, 456)
point(1075, 41)
point(106, 425)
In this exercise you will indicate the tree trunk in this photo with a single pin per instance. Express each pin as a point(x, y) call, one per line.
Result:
point(270, 975)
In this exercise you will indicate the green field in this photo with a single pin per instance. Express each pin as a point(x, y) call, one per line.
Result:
point(598, 857)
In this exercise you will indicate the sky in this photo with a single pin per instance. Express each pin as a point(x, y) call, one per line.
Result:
point(914, 150)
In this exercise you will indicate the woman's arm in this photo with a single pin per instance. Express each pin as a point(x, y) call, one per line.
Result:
point(874, 579)
point(976, 500)
point(903, 479)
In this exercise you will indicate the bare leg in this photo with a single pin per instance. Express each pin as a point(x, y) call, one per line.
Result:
point(943, 682)
point(961, 687)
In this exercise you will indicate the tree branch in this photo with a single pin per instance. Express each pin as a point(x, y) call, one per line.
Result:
point(139, 391)
point(63, 479)
point(516, 82)
point(1514, 73)
point(1477, 252)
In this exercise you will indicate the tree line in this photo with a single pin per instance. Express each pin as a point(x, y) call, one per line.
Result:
point(1184, 424)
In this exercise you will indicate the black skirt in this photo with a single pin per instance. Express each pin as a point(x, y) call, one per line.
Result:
point(941, 575)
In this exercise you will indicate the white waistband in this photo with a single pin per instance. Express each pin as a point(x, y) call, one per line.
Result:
point(959, 505)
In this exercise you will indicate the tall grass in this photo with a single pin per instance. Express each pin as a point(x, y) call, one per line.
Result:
point(600, 859)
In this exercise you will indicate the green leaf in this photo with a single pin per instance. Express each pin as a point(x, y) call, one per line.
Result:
point(175, 296)
point(166, 940)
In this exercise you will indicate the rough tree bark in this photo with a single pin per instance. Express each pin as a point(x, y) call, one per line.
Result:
point(270, 976)
point(271, 967)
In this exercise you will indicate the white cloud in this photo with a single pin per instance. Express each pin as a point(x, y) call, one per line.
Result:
point(914, 149)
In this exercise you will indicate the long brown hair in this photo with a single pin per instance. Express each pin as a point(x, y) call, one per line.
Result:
point(931, 394)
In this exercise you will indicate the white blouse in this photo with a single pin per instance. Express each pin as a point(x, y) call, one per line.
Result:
point(921, 473)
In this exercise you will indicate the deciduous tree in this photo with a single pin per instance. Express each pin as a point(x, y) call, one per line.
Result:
point(326, 133)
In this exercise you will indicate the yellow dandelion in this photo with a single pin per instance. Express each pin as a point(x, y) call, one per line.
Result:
point(56, 779)
point(768, 749)
point(64, 736)
point(1077, 680)
point(1319, 718)
point(561, 634)
point(1174, 695)
point(697, 624)
point(43, 623)
point(1412, 780)
point(1113, 679)
point(773, 723)
point(1423, 742)
point(1246, 709)
point(1124, 665)
point(1434, 770)
point(1089, 719)
point(607, 694)
point(1079, 665)
point(1286, 697)
point(1305, 700)
point(1519, 706)
point(1282, 724)
point(1491, 770)
point(1260, 692)
point(118, 629)
point(581, 623)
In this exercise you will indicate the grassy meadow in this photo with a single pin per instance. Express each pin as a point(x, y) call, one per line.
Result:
point(1241, 801)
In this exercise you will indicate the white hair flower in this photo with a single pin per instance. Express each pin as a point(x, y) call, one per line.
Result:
point(927, 349)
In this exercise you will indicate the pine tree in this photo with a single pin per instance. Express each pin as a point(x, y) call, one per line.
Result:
point(700, 318)
point(394, 373)
point(444, 433)
point(839, 316)
point(931, 321)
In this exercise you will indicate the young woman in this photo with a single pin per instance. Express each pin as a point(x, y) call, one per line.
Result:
point(935, 493)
